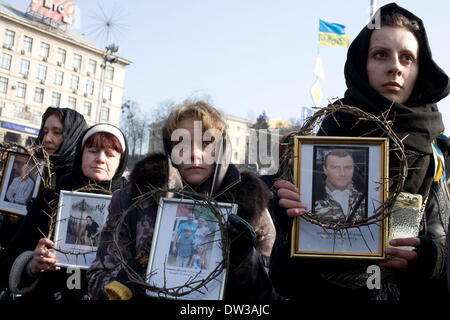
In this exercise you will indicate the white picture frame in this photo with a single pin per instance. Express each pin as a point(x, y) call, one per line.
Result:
point(166, 268)
point(10, 201)
point(75, 242)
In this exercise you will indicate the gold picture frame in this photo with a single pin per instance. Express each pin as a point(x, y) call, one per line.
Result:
point(343, 181)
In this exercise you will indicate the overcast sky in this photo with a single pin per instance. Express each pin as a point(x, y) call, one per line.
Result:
point(247, 56)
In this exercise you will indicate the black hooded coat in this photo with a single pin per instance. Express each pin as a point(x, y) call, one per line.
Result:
point(419, 123)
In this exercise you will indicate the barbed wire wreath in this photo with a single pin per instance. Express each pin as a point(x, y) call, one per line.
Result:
point(196, 283)
point(394, 183)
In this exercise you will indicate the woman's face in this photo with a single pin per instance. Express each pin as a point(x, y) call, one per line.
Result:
point(100, 164)
point(392, 62)
point(195, 169)
point(53, 134)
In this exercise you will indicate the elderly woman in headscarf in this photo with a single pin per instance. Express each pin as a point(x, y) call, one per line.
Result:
point(28, 263)
point(58, 135)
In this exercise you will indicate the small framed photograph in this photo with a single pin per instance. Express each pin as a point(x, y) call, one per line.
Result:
point(21, 179)
point(79, 221)
point(343, 182)
point(187, 249)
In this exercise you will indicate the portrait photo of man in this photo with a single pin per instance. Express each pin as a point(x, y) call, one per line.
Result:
point(340, 184)
point(21, 187)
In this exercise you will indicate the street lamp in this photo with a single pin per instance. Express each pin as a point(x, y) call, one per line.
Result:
point(108, 56)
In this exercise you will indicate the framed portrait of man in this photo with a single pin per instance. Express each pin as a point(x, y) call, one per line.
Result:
point(187, 257)
point(21, 178)
point(343, 182)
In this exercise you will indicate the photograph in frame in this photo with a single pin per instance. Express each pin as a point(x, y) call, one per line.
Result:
point(341, 181)
point(20, 183)
point(190, 251)
point(79, 221)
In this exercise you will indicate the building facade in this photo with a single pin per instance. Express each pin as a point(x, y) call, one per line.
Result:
point(42, 65)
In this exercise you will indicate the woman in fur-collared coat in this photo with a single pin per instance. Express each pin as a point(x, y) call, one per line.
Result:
point(251, 231)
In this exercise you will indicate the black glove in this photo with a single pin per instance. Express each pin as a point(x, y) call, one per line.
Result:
point(242, 238)
point(426, 258)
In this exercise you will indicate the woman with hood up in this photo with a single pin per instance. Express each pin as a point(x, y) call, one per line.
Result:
point(251, 231)
point(387, 68)
point(28, 263)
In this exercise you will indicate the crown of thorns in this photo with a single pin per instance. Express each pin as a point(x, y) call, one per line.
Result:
point(383, 128)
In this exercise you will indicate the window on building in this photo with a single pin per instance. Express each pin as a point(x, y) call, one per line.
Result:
point(42, 72)
point(92, 66)
point(11, 137)
point(2, 106)
point(9, 38)
point(109, 73)
point(87, 107)
point(77, 61)
point(45, 50)
point(59, 75)
point(21, 90)
point(90, 87)
point(56, 99)
point(24, 67)
point(39, 95)
point(61, 56)
point(74, 82)
point(72, 103)
point(3, 85)
point(27, 44)
point(107, 93)
point(104, 114)
point(237, 141)
point(6, 61)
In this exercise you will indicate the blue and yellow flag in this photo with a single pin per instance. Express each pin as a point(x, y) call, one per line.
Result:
point(332, 35)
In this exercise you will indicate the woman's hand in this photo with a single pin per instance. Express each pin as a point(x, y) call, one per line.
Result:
point(289, 198)
point(44, 258)
point(405, 255)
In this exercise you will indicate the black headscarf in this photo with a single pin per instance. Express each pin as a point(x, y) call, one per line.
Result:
point(418, 119)
point(78, 180)
point(73, 126)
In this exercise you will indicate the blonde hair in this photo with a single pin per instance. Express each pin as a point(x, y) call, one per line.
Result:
point(197, 110)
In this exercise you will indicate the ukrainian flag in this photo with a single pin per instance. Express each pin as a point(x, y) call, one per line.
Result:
point(332, 35)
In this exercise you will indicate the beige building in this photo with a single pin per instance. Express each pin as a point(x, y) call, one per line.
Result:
point(238, 132)
point(46, 64)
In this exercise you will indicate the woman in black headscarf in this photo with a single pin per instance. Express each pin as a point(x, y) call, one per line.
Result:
point(99, 163)
point(59, 132)
point(387, 68)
